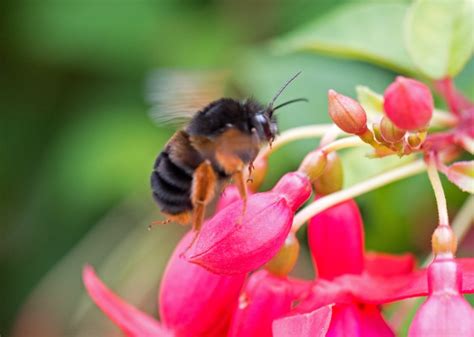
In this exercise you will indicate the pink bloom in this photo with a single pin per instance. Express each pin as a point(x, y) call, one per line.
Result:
point(408, 103)
point(193, 302)
point(265, 298)
point(445, 312)
point(336, 241)
point(236, 242)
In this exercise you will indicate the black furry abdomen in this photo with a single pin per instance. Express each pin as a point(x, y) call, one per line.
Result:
point(171, 184)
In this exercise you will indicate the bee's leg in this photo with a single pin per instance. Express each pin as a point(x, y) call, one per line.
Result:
point(240, 182)
point(183, 218)
point(202, 193)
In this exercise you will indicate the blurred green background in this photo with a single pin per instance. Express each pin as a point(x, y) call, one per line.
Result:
point(78, 145)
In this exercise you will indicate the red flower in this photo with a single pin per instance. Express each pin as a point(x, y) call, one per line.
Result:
point(408, 103)
point(193, 302)
point(337, 247)
point(235, 242)
point(265, 298)
point(445, 312)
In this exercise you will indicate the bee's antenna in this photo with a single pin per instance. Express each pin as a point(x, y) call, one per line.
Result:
point(280, 91)
point(289, 102)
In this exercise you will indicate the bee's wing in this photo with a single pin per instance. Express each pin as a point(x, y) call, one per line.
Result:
point(176, 95)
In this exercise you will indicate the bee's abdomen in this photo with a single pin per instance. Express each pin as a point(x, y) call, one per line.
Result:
point(171, 185)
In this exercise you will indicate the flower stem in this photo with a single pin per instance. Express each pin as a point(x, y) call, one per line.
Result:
point(303, 132)
point(342, 144)
point(461, 224)
point(358, 189)
point(438, 191)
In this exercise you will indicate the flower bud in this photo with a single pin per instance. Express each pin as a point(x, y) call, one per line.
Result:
point(347, 113)
point(390, 133)
point(284, 261)
point(408, 103)
point(377, 133)
point(445, 312)
point(444, 240)
point(235, 242)
point(332, 178)
point(313, 164)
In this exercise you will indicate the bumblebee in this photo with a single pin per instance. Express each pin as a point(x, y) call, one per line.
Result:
point(217, 144)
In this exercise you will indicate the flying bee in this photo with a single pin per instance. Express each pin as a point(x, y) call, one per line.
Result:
point(215, 146)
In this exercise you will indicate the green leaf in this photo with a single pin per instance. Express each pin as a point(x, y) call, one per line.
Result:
point(369, 31)
point(439, 36)
point(371, 101)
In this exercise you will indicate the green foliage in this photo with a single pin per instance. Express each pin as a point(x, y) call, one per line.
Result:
point(368, 31)
point(439, 36)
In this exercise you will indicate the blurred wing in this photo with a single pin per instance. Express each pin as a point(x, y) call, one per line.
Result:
point(176, 95)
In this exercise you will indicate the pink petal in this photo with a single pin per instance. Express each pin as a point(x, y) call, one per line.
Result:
point(461, 174)
point(455, 99)
point(443, 315)
point(265, 298)
point(195, 302)
point(313, 324)
point(345, 321)
point(373, 324)
point(387, 265)
point(234, 242)
point(336, 240)
point(467, 268)
point(132, 321)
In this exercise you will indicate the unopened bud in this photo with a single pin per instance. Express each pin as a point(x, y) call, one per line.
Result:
point(416, 139)
point(377, 133)
point(332, 178)
point(444, 240)
point(408, 103)
point(284, 261)
point(390, 133)
point(257, 173)
point(347, 113)
point(313, 164)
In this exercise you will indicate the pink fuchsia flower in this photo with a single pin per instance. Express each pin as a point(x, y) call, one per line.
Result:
point(336, 240)
point(266, 297)
point(193, 302)
point(408, 104)
point(445, 312)
point(236, 242)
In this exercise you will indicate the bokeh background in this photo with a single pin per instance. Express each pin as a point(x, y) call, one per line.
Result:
point(77, 144)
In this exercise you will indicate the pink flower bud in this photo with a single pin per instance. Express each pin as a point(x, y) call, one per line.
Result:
point(193, 301)
point(264, 299)
point(235, 242)
point(347, 113)
point(336, 240)
point(408, 104)
point(445, 312)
